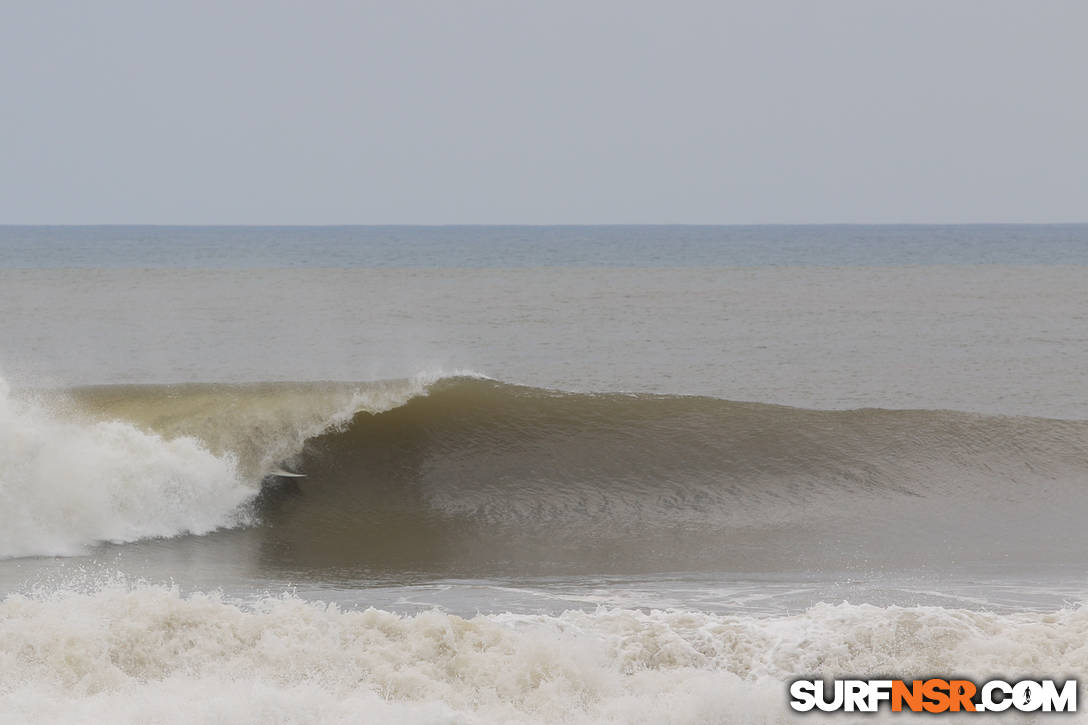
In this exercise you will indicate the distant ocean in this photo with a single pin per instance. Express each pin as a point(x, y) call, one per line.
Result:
point(534, 474)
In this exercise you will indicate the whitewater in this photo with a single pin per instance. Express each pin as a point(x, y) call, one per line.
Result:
point(70, 478)
point(64, 485)
point(580, 489)
point(464, 474)
point(147, 654)
point(120, 464)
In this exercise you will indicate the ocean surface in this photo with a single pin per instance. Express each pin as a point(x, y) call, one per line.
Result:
point(534, 474)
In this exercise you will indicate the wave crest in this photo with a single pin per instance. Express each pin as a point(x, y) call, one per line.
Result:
point(466, 475)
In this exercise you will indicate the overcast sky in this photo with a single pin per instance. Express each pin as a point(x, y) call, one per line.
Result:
point(543, 112)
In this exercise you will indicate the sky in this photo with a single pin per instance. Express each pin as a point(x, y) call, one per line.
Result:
point(556, 112)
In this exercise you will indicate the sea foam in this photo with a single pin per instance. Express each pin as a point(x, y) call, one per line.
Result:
point(66, 483)
point(149, 654)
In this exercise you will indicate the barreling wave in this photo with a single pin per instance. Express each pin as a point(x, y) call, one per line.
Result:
point(124, 463)
point(467, 474)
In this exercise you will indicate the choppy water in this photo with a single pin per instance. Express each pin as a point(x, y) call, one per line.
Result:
point(586, 474)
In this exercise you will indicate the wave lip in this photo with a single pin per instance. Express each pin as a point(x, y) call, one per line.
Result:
point(469, 475)
point(484, 476)
point(130, 462)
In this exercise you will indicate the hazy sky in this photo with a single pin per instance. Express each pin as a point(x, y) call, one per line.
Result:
point(543, 112)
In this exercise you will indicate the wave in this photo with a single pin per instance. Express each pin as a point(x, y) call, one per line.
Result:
point(65, 484)
point(124, 463)
point(148, 654)
point(466, 474)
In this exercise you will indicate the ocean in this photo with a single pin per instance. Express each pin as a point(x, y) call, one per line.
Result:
point(463, 474)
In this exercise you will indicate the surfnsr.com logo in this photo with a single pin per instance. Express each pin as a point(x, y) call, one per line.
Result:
point(933, 695)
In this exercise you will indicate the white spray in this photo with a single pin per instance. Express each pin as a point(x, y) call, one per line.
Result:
point(66, 484)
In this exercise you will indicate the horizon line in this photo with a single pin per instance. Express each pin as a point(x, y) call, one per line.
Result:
point(552, 224)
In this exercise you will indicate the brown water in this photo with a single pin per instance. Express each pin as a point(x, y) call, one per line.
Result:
point(674, 490)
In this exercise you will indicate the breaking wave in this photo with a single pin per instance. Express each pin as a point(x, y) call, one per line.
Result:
point(65, 484)
point(470, 475)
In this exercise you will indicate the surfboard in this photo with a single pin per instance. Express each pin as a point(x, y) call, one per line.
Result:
point(286, 474)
